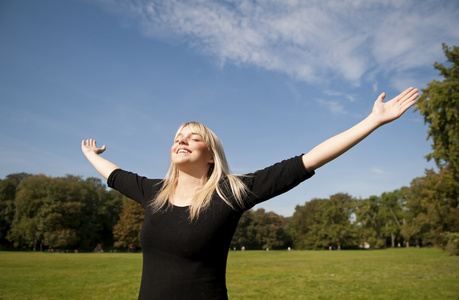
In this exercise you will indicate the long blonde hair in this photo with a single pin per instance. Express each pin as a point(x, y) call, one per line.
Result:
point(217, 172)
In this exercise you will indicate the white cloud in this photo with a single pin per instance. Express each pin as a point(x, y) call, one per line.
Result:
point(313, 41)
point(335, 107)
point(378, 170)
point(350, 98)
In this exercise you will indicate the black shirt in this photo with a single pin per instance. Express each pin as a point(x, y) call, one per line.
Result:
point(185, 259)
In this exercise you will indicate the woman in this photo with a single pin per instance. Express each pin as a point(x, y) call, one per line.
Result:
point(191, 215)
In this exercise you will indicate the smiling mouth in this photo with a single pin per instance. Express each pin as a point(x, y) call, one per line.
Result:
point(183, 151)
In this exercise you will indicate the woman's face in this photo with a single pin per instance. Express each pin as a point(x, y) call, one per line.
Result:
point(190, 149)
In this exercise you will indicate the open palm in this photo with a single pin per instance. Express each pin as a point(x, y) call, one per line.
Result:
point(91, 146)
point(392, 109)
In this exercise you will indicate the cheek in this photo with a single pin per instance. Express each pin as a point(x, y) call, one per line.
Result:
point(204, 152)
point(210, 155)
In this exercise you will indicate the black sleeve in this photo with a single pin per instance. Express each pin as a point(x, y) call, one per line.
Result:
point(275, 180)
point(133, 186)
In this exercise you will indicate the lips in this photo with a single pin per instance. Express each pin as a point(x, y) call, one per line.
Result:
point(183, 150)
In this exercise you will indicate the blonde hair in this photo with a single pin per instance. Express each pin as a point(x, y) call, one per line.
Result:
point(218, 171)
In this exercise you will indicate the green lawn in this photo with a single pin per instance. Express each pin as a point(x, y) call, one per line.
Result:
point(376, 274)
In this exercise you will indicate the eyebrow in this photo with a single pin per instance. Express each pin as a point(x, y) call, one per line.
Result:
point(191, 134)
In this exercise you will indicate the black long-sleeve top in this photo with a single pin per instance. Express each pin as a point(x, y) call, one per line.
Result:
point(185, 259)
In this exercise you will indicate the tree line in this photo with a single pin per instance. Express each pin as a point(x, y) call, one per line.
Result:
point(38, 212)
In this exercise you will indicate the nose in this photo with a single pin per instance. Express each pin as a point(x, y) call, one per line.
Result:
point(181, 141)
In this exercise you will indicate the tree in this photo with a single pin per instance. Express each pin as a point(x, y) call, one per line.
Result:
point(8, 188)
point(432, 210)
point(321, 223)
point(241, 236)
point(99, 212)
point(392, 211)
point(433, 199)
point(380, 218)
point(127, 230)
point(371, 219)
point(439, 104)
point(268, 230)
point(27, 229)
point(260, 230)
point(63, 212)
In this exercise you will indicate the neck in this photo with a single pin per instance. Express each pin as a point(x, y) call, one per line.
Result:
point(188, 186)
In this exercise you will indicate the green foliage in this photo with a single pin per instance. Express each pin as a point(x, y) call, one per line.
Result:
point(127, 230)
point(439, 104)
point(64, 212)
point(321, 223)
point(39, 212)
point(431, 208)
point(381, 218)
point(452, 246)
point(31, 203)
point(7, 208)
point(260, 230)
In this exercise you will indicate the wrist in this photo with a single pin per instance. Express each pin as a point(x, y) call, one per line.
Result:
point(373, 121)
point(91, 154)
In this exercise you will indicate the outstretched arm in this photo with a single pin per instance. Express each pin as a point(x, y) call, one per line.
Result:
point(382, 113)
point(103, 166)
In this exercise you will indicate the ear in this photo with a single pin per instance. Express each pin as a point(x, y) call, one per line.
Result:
point(211, 160)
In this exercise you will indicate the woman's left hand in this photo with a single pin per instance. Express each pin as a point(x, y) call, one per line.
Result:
point(393, 109)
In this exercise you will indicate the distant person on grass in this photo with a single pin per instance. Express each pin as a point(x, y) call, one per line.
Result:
point(191, 215)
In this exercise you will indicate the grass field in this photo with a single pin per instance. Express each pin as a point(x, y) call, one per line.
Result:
point(375, 274)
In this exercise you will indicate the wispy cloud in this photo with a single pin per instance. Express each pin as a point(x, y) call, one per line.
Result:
point(335, 107)
point(377, 170)
point(313, 41)
point(350, 98)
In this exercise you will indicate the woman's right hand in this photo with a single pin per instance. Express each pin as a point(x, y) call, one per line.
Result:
point(103, 166)
point(91, 146)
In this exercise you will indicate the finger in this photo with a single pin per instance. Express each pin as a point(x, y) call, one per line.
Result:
point(402, 94)
point(411, 96)
point(381, 97)
point(409, 102)
point(408, 93)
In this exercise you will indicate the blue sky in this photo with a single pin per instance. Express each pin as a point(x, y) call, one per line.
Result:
point(271, 78)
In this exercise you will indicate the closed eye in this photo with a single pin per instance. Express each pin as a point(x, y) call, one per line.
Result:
point(196, 138)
